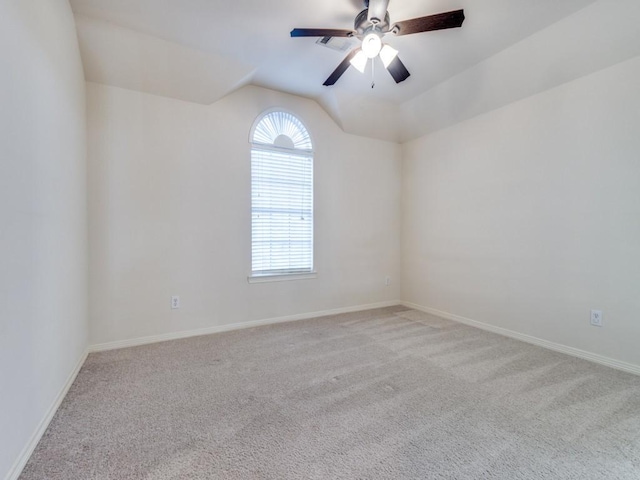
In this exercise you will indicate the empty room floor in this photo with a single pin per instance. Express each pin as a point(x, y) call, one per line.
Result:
point(381, 394)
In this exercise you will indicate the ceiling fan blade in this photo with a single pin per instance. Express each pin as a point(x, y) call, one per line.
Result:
point(440, 21)
point(377, 9)
point(398, 71)
point(337, 73)
point(321, 32)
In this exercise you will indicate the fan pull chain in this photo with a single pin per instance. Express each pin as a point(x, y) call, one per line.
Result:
point(373, 67)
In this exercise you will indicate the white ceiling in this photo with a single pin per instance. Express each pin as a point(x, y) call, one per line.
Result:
point(200, 50)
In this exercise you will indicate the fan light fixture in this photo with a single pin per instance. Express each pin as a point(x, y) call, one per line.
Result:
point(387, 55)
point(371, 45)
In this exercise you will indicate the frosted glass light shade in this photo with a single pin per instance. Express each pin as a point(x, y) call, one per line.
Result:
point(371, 45)
point(387, 54)
point(359, 61)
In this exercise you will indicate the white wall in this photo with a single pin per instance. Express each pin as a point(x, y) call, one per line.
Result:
point(43, 233)
point(169, 209)
point(529, 216)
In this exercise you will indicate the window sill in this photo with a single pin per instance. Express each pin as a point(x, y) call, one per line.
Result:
point(281, 278)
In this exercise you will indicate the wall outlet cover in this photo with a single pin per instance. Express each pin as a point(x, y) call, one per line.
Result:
point(175, 302)
point(596, 318)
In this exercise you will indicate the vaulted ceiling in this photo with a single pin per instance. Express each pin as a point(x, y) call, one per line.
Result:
point(201, 50)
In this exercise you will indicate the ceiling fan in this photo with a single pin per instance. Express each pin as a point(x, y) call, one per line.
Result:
point(370, 26)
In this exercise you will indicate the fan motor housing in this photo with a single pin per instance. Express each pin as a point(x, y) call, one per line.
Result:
point(362, 25)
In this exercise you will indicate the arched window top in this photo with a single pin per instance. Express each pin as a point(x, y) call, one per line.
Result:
point(281, 129)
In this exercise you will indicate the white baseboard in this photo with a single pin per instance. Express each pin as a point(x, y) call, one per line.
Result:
point(574, 352)
point(134, 342)
point(23, 458)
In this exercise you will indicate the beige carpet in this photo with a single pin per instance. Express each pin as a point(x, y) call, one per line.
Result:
point(382, 394)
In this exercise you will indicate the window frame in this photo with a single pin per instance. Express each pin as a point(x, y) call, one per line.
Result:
point(254, 277)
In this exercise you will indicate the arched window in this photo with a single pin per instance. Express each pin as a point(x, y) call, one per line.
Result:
point(281, 196)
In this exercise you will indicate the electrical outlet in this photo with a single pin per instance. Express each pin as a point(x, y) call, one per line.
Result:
point(387, 281)
point(596, 318)
point(175, 302)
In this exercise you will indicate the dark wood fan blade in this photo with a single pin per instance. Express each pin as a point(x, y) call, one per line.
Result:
point(321, 32)
point(398, 71)
point(440, 21)
point(377, 9)
point(337, 73)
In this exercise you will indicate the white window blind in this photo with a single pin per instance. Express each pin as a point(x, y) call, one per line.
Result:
point(281, 197)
